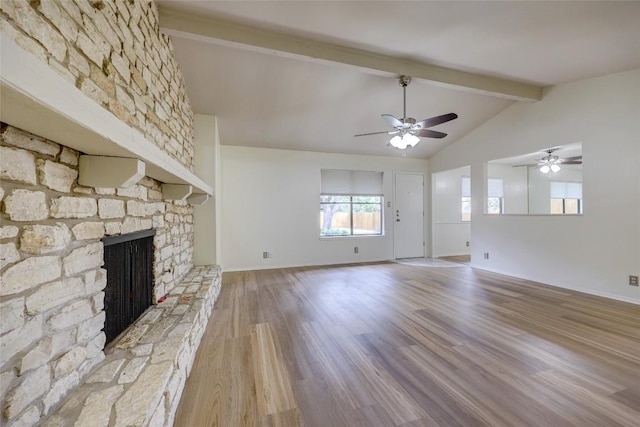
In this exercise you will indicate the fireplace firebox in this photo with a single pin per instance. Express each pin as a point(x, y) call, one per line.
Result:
point(128, 260)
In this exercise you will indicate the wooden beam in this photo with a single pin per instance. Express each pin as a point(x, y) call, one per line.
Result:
point(176, 191)
point(110, 172)
point(215, 30)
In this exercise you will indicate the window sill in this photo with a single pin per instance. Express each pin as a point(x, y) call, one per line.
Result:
point(349, 237)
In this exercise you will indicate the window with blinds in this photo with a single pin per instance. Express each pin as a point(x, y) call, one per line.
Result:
point(565, 197)
point(350, 203)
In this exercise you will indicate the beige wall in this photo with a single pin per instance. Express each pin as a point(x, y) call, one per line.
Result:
point(271, 203)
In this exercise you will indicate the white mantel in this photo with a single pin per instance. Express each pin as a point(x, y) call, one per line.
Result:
point(34, 97)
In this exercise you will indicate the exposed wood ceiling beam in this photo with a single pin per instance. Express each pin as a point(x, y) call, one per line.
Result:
point(194, 26)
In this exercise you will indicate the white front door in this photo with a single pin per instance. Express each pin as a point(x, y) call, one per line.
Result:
point(408, 215)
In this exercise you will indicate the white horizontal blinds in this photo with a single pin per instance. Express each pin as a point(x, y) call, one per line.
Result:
point(338, 181)
point(495, 187)
point(466, 186)
point(566, 190)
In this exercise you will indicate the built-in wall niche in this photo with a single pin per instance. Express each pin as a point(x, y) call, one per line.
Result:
point(544, 182)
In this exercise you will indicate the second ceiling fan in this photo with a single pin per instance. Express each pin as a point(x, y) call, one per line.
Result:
point(552, 162)
point(407, 131)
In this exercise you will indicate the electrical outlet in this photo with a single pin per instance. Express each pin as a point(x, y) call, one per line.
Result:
point(355, 250)
point(633, 280)
point(266, 255)
point(467, 244)
point(486, 255)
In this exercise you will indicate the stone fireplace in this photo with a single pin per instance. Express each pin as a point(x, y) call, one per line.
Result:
point(94, 79)
point(52, 299)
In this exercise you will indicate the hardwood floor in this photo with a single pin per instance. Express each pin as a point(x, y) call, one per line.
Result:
point(460, 259)
point(398, 345)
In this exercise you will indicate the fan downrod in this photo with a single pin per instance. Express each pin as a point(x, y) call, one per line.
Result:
point(404, 82)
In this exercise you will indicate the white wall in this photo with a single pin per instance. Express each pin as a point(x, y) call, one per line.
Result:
point(594, 252)
point(271, 202)
point(450, 233)
point(207, 241)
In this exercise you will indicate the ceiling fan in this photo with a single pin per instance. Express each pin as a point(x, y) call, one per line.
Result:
point(552, 162)
point(406, 130)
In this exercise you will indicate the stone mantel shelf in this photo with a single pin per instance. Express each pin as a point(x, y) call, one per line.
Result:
point(36, 98)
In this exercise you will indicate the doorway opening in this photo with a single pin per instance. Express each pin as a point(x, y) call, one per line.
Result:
point(451, 213)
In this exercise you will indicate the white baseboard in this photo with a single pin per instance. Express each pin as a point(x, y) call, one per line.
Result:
point(562, 286)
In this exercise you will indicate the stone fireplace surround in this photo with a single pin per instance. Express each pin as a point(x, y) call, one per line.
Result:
point(99, 78)
point(51, 292)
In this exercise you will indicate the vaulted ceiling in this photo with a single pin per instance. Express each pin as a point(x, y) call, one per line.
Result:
point(309, 75)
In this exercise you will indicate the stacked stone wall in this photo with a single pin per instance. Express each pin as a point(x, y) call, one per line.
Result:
point(51, 283)
point(114, 52)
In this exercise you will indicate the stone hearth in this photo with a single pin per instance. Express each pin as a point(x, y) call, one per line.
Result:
point(141, 379)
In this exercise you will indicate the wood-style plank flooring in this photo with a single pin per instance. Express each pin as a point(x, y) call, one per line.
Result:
point(460, 259)
point(399, 345)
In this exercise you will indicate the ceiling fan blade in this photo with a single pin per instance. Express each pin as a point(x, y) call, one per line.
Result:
point(427, 123)
point(388, 132)
point(564, 159)
point(572, 162)
point(392, 121)
point(519, 166)
point(430, 133)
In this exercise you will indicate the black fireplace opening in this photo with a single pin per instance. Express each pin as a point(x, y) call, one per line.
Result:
point(128, 260)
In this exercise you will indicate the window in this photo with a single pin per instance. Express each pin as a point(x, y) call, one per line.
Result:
point(495, 205)
point(350, 215)
point(350, 203)
point(495, 196)
point(565, 197)
point(466, 198)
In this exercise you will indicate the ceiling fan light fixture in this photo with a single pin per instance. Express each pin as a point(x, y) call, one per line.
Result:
point(555, 168)
point(406, 130)
point(398, 142)
point(412, 140)
point(545, 169)
point(404, 141)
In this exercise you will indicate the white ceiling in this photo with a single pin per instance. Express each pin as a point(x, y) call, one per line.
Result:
point(273, 99)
